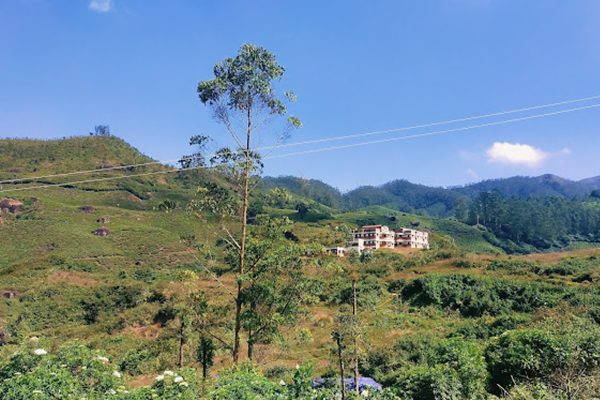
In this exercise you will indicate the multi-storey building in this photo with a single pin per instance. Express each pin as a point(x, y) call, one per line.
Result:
point(373, 237)
point(411, 238)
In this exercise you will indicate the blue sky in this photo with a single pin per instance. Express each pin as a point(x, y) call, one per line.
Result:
point(67, 65)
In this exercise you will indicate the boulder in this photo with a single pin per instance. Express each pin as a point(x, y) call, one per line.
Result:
point(101, 232)
point(87, 209)
point(9, 294)
point(10, 205)
point(103, 220)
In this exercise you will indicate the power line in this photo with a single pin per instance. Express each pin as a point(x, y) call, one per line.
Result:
point(418, 135)
point(97, 170)
point(322, 140)
point(98, 180)
point(320, 150)
point(446, 122)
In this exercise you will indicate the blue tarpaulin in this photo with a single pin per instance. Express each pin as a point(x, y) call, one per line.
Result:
point(363, 383)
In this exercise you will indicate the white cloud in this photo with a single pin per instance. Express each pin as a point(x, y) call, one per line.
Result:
point(516, 154)
point(101, 6)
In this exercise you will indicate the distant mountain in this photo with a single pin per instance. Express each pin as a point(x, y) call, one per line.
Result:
point(405, 196)
point(539, 186)
point(311, 188)
point(595, 181)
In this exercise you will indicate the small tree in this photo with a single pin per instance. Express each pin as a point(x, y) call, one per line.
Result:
point(205, 354)
point(302, 209)
point(101, 130)
point(242, 97)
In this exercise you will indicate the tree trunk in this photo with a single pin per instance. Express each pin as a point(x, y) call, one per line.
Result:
point(354, 313)
point(250, 347)
point(181, 343)
point(246, 183)
point(341, 362)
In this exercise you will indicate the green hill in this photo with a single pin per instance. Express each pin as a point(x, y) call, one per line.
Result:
point(33, 157)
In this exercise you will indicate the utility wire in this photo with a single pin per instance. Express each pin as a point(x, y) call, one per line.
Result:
point(322, 140)
point(418, 135)
point(319, 150)
point(91, 171)
point(446, 122)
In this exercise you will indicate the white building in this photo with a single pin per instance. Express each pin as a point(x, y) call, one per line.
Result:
point(373, 237)
point(337, 251)
point(411, 238)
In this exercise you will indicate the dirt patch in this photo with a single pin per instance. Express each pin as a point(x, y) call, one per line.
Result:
point(144, 331)
point(557, 256)
point(132, 197)
point(80, 279)
point(142, 380)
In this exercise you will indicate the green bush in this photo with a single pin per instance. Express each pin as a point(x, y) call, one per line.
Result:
point(530, 354)
point(474, 296)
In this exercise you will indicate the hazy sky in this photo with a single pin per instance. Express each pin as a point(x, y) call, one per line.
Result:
point(355, 66)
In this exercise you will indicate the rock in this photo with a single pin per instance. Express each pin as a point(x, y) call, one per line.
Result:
point(138, 263)
point(9, 294)
point(10, 205)
point(103, 220)
point(101, 232)
point(2, 338)
point(87, 209)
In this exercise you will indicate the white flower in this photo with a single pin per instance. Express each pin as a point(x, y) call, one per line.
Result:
point(184, 384)
point(116, 374)
point(40, 352)
point(281, 382)
point(111, 391)
point(178, 379)
point(63, 365)
point(168, 373)
point(160, 378)
point(103, 359)
point(365, 393)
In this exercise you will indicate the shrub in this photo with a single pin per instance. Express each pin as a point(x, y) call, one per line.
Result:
point(245, 383)
point(530, 354)
point(474, 297)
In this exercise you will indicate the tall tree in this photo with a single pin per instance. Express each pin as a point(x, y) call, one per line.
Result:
point(242, 97)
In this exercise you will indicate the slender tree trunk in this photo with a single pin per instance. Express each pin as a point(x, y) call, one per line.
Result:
point(181, 343)
point(354, 313)
point(250, 347)
point(245, 200)
point(204, 369)
point(341, 362)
